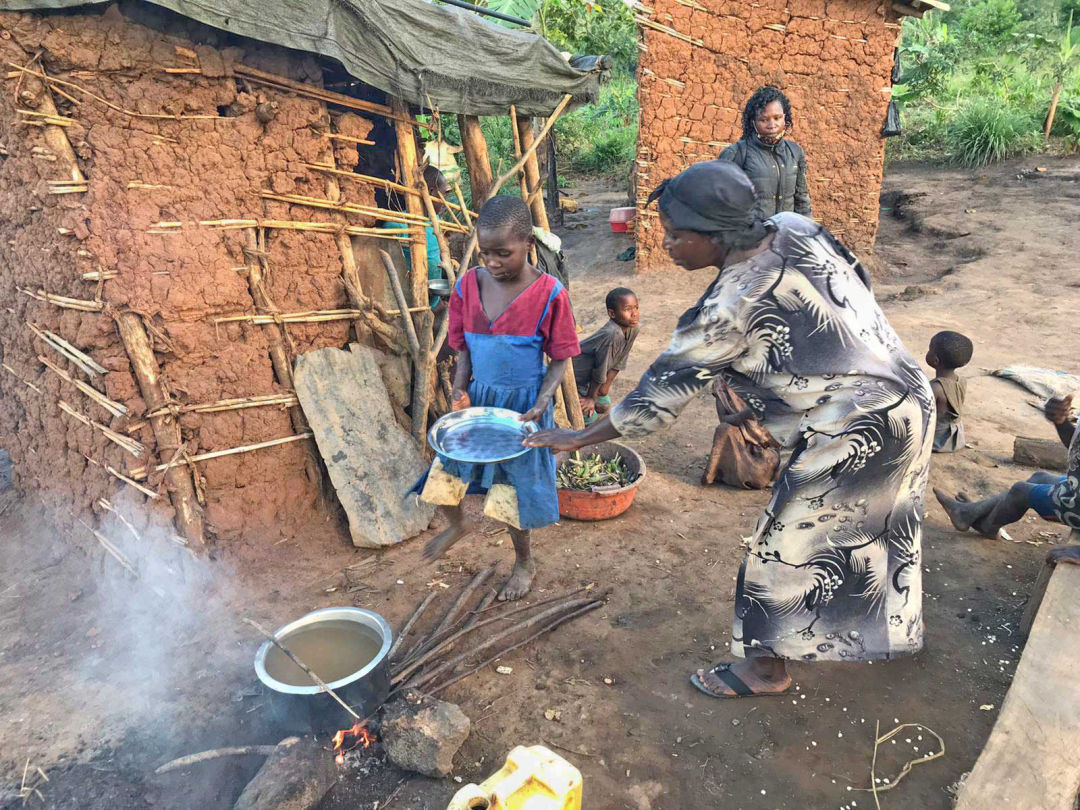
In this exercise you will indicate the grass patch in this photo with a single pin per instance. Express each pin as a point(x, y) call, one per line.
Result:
point(985, 131)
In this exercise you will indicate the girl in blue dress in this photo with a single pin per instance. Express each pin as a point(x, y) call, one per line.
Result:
point(504, 317)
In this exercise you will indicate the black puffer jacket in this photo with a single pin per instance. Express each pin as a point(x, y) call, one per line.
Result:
point(778, 173)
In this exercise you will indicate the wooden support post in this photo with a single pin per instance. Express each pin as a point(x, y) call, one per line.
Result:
point(178, 478)
point(532, 174)
point(256, 259)
point(56, 137)
point(412, 177)
point(540, 218)
point(350, 274)
point(571, 400)
point(476, 158)
point(523, 182)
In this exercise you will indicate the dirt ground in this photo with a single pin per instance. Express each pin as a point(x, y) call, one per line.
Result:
point(101, 679)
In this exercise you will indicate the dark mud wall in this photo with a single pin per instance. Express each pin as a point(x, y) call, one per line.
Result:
point(833, 59)
point(142, 171)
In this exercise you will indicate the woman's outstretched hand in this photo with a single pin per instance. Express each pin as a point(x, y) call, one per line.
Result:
point(558, 440)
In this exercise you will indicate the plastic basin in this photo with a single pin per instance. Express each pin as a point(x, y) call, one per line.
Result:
point(579, 504)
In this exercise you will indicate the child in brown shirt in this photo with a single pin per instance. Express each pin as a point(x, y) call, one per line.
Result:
point(948, 352)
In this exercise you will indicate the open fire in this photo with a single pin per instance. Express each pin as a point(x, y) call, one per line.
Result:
point(362, 738)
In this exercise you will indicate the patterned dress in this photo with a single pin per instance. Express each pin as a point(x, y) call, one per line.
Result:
point(834, 568)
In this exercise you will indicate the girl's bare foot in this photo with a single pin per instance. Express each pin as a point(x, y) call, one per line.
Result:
point(441, 543)
point(520, 581)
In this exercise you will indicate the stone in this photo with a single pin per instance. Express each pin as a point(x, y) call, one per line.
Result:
point(372, 462)
point(422, 734)
point(295, 777)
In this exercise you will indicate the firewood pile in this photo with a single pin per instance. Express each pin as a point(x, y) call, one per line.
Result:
point(465, 640)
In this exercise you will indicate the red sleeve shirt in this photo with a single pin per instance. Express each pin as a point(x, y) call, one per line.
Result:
point(543, 308)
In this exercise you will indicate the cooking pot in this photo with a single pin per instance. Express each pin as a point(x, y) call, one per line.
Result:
point(301, 706)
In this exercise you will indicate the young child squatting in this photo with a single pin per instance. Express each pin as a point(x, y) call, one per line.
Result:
point(604, 353)
point(504, 317)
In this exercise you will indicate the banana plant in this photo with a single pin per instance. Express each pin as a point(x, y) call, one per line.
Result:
point(1062, 65)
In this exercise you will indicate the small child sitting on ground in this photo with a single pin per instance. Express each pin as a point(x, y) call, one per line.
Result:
point(504, 317)
point(604, 353)
point(948, 352)
point(1054, 497)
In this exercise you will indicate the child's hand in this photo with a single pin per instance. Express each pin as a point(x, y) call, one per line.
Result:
point(459, 400)
point(536, 411)
point(1057, 409)
point(588, 406)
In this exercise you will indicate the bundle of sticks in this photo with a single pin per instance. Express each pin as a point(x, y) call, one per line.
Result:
point(430, 663)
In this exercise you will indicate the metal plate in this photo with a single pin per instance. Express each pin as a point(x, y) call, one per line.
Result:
point(480, 435)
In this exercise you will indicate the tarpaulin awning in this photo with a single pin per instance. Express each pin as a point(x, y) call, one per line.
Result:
point(437, 57)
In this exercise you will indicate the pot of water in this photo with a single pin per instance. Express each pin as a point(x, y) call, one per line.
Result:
point(347, 647)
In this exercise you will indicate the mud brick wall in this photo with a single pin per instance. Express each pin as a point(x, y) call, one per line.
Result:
point(833, 59)
point(142, 171)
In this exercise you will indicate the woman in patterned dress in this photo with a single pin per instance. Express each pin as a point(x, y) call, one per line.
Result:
point(833, 572)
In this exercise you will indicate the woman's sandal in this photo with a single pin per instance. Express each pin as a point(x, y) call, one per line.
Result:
point(737, 684)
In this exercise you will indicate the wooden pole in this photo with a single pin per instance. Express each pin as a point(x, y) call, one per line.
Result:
point(178, 478)
point(55, 136)
point(411, 177)
point(571, 402)
point(540, 218)
point(256, 260)
point(516, 133)
point(532, 173)
point(350, 274)
point(476, 158)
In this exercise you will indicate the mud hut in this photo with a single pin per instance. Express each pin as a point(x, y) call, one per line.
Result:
point(700, 62)
point(191, 196)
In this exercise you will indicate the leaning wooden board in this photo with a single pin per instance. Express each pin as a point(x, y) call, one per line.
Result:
point(1030, 761)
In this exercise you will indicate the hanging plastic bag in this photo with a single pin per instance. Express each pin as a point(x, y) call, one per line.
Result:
point(892, 122)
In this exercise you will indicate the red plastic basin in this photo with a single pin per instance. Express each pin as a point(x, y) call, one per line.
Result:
point(579, 504)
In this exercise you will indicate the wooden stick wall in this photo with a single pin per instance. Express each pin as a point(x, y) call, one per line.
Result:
point(370, 319)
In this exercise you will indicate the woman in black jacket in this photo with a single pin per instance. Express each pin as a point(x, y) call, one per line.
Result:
point(777, 166)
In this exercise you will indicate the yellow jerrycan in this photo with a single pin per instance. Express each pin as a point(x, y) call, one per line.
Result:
point(533, 778)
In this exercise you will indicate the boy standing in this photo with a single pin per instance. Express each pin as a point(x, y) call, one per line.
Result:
point(948, 352)
point(604, 353)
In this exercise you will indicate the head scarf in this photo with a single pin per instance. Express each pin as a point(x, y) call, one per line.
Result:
point(714, 197)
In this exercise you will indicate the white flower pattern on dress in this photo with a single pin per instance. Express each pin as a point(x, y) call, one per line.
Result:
point(833, 570)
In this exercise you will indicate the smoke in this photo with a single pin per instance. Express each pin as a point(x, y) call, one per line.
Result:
point(155, 605)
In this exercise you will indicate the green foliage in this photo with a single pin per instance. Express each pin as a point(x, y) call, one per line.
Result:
point(597, 139)
point(928, 55)
point(601, 138)
point(978, 81)
point(990, 24)
point(590, 29)
point(523, 9)
point(984, 131)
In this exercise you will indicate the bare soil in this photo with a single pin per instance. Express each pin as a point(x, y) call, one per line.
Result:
point(101, 679)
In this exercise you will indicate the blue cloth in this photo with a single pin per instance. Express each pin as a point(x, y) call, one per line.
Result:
point(507, 373)
point(1039, 499)
point(434, 254)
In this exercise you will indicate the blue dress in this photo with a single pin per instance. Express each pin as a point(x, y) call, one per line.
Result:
point(507, 372)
